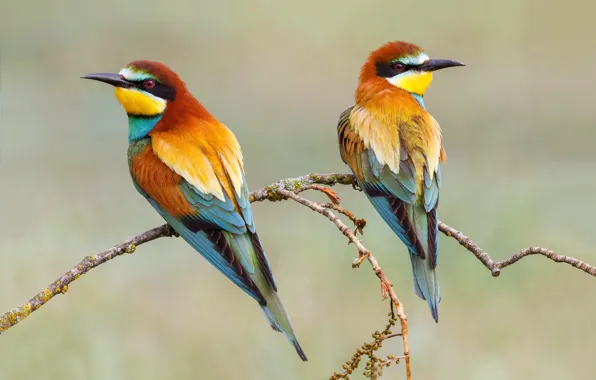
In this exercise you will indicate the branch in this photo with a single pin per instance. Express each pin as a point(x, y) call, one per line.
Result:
point(284, 189)
point(300, 184)
point(60, 286)
point(386, 286)
point(496, 267)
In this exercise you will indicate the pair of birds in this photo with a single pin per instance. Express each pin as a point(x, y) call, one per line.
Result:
point(189, 167)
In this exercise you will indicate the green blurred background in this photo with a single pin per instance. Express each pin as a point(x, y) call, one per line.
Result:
point(518, 125)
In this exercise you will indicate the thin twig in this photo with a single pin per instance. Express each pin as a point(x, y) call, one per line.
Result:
point(358, 223)
point(391, 336)
point(331, 194)
point(60, 286)
point(496, 267)
point(386, 286)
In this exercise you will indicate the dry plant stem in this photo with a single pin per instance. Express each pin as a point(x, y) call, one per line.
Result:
point(387, 287)
point(496, 267)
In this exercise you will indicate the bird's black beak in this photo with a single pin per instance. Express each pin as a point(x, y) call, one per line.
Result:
point(438, 64)
point(113, 79)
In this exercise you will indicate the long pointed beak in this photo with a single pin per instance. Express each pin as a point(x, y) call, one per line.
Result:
point(438, 64)
point(113, 79)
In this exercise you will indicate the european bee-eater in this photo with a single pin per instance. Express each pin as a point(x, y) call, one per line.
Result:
point(189, 167)
point(393, 147)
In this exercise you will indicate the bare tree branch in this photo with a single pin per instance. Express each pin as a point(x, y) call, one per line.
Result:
point(60, 286)
point(386, 286)
point(496, 267)
point(284, 189)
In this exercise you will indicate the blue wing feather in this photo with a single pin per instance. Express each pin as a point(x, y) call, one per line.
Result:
point(431, 191)
point(384, 208)
point(401, 185)
point(200, 242)
point(221, 214)
point(244, 204)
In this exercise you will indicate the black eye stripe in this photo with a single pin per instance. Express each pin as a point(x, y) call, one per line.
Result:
point(159, 89)
point(386, 70)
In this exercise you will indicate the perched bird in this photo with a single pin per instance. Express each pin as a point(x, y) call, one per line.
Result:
point(189, 167)
point(393, 147)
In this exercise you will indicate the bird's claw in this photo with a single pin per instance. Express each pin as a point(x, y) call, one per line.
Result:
point(170, 231)
point(356, 187)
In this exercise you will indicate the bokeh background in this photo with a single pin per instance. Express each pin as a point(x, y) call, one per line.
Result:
point(519, 129)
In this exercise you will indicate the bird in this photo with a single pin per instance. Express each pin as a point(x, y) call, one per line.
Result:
point(393, 146)
point(189, 166)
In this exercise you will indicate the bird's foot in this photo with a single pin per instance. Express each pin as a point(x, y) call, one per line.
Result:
point(356, 187)
point(171, 232)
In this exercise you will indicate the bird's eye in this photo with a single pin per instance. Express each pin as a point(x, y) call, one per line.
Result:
point(398, 66)
point(149, 83)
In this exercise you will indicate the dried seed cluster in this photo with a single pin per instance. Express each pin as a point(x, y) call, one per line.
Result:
point(374, 365)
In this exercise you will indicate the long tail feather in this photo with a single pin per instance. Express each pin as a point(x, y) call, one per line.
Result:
point(273, 308)
point(244, 251)
point(411, 222)
point(279, 320)
point(426, 283)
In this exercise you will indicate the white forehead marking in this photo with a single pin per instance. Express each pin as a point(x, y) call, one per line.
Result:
point(415, 59)
point(134, 75)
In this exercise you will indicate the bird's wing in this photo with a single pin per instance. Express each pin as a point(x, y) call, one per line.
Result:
point(394, 193)
point(376, 177)
point(401, 179)
point(201, 191)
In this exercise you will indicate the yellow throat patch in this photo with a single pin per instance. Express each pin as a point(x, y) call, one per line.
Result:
point(137, 102)
point(415, 82)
